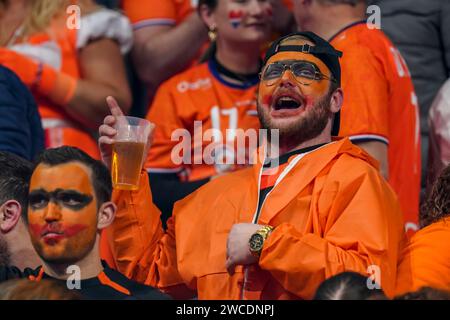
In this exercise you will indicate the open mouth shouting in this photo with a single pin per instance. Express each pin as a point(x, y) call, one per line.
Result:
point(287, 104)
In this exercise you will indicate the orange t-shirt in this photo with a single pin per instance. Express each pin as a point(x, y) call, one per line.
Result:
point(380, 105)
point(194, 102)
point(425, 261)
point(144, 13)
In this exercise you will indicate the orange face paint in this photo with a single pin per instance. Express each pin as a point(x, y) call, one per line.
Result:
point(62, 212)
point(316, 88)
point(267, 99)
point(52, 233)
point(288, 86)
point(297, 106)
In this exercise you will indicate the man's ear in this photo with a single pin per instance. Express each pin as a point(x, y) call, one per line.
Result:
point(207, 16)
point(10, 212)
point(336, 100)
point(106, 214)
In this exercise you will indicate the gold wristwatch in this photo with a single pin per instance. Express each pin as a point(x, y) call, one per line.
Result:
point(257, 239)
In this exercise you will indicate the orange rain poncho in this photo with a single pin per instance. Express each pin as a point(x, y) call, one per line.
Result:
point(332, 212)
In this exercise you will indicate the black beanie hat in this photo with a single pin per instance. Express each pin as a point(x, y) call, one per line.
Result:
point(322, 49)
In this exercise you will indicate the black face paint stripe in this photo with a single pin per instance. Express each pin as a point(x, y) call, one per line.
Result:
point(61, 196)
point(38, 195)
point(82, 199)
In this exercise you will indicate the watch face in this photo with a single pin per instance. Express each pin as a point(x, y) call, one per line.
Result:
point(256, 242)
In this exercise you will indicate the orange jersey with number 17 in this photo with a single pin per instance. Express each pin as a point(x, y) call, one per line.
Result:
point(196, 112)
point(380, 105)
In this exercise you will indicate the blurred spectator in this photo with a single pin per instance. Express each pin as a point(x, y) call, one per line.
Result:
point(439, 134)
point(68, 205)
point(421, 31)
point(425, 293)
point(380, 112)
point(283, 20)
point(219, 94)
point(70, 69)
point(168, 36)
point(15, 245)
point(425, 261)
point(20, 124)
point(289, 4)
point(348, 286)
point(46, 289)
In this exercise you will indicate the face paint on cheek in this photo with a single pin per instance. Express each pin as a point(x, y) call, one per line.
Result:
point(43, 232)
point(73, 230)
point(36, 230)
point(267, 100)
point(52, 234)
point(266, 94)
point(269, 12)
point(314, 94)
point(309, 101)
point(235, 17)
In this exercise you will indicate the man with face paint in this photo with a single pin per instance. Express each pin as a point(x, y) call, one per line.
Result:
point(68, 205)
point(278, 229)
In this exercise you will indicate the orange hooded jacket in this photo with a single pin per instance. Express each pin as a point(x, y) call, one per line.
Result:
point(332, 212)
point(425, 261)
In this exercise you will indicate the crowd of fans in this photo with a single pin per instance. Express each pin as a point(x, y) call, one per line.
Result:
point(356, 205)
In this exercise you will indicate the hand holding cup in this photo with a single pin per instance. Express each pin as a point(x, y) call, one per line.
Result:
point(124, 144)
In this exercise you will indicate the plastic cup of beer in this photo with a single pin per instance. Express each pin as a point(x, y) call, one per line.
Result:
point(128, 152)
